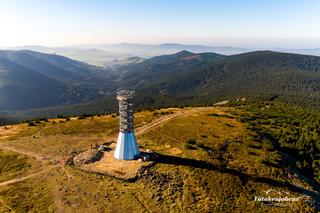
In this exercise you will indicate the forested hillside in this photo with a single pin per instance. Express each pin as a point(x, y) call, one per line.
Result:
point(292, 130)
point(30, 80)
point(197, 78)
point(183, 78)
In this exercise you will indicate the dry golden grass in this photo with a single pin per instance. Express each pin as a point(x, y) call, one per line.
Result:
point(13, 165)
point(208, 163)
point(8, 131)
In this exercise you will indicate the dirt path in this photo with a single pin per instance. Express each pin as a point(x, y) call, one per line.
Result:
point(56, 195)
point(45, 168)
point(156, 122)
point(69, 176)
point(166, 118)
point(60, 163)
point(15, 180)
point(19, 151)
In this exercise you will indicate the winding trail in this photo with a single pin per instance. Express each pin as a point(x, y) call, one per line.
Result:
point(15, 180)
point(163, 119)
point(45, 160)
point(142, 129)
point(23, 152)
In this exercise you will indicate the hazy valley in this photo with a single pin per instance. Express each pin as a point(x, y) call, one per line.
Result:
point(46, 85)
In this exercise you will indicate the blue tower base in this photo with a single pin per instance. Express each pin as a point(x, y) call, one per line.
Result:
point(127, 147)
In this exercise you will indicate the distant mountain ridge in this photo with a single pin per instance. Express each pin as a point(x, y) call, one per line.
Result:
point(209, 77)
point(110, 55)
point(174, 79)
point(150, 50)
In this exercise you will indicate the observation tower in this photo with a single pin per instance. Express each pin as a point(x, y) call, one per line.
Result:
point(127, 146)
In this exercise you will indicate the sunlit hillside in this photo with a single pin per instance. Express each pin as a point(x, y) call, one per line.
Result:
point(209, 159)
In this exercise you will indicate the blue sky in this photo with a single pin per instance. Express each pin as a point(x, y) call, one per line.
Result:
point(261, 23)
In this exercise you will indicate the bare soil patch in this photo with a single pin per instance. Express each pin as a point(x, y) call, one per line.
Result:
point(123, 169)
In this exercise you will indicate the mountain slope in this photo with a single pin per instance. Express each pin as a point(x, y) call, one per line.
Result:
point(161, 69)
point(254, 74)
point(195, 78)
point(62, 62)
point(31, 62)
point(55, 66)
point(89, 55)
point(34, 80)
point(20, 86)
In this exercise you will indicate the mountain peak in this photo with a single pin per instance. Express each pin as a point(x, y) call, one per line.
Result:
point(184, 53)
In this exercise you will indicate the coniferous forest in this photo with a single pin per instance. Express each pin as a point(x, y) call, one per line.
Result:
point(292, 130)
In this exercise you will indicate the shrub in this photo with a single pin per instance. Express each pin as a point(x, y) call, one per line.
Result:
point(214, 114)
point(200, 145)
point(204, 136)
point(189, 146)
point(81, 117)
point(30, 123)
point(192, 141)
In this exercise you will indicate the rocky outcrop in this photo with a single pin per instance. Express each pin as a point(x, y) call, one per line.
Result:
point(89, 156)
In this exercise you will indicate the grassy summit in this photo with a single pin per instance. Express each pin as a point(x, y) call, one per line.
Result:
point(209, 161)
